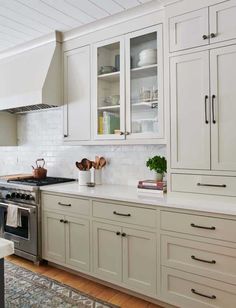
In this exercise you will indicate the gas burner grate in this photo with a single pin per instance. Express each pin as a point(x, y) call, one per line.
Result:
point(47, 181)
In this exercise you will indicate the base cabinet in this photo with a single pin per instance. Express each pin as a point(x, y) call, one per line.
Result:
point(66, 239)
point(125, 255)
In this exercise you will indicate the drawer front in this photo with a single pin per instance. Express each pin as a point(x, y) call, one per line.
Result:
point(188, 290)
point(204, 259)
point(68, 204)
point(203, 184)
point(126, 214)
point(216, 228)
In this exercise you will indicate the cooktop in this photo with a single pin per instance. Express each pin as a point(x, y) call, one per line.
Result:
point(47, 181)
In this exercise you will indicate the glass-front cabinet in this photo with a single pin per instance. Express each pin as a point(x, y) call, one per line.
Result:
point(128, 92)
point(109, 85)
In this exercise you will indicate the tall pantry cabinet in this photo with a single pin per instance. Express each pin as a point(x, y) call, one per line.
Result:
point(202, 101)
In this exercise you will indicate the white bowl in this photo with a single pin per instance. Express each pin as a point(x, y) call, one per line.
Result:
point(148, 52)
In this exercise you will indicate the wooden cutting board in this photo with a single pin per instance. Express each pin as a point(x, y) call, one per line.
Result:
point(15, 177)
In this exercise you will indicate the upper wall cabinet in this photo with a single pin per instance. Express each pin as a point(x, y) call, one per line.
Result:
point(209, 25)
point(128, 88)
point(76, 112)
point(189, 30)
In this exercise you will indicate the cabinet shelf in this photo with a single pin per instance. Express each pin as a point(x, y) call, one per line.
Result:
point(109, 107)
point(144, 71)
point(114, 76)
point(144, 105)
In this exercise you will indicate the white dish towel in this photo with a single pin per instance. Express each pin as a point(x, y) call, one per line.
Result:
point(13, 216)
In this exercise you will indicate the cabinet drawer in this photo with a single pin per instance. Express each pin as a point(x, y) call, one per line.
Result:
point(204, 184)
point(127, 214)
point(188, 290)
point(68, 204)
point(204, 259)
point(216, 228)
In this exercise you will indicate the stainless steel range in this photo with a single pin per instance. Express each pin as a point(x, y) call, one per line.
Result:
point(25, 194)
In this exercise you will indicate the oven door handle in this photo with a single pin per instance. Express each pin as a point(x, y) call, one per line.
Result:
point(20, 207)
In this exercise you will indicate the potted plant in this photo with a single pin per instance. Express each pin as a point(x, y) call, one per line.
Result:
point(159, 165)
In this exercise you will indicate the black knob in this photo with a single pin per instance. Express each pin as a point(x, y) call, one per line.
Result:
point(13, 195)
point(117, 233)
point(29, 197)
point(123, 234)
point(213, 35)
point(23, 196)
point(18, 195)
point(8, 196)
point(205, 36)
point(65, 221)
point(61, 220)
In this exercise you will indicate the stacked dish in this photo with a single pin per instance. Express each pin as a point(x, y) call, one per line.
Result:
point(147, 57)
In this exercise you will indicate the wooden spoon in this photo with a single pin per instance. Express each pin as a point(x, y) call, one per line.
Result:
point(97, 162)
point(102, 162)
point(79, 166)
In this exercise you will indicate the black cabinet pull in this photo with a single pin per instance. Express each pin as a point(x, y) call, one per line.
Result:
point(205, 37)
point(206, 118)
point(213, 109)
point(64, 204)
point(203, 295)
point(123, 234)
point(61, 220)
point(202, 260)
point(65, 135)
point(66, 221)
point(122, 133)
point(118, 233)
point(212, 185)
point(121, 214)
point(202, 227)
point(212, 35)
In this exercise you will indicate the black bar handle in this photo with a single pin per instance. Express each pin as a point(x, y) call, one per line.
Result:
point(121, 214)
point(203, 295)
point(213, 109)
point(202, 260)
point(202, 227)
point(64, 204)
point(206, 118)
point(212, 185)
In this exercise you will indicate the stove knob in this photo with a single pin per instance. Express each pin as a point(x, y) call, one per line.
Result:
point(8, 196)
point(23, 196)
point(18, 195)
point(29, 197)
point(13, 195)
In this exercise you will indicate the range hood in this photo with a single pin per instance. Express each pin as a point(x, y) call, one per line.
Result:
point(31, 79)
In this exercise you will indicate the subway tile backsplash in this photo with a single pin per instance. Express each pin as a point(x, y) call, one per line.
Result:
point(40, 135)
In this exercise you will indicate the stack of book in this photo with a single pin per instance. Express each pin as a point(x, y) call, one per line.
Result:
point(152, 186)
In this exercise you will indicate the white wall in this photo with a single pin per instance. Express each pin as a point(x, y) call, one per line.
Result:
point(40, 135)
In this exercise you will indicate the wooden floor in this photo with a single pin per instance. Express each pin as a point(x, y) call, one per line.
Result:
point(92, 288)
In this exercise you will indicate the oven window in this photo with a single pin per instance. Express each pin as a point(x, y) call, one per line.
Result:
point(22, 231)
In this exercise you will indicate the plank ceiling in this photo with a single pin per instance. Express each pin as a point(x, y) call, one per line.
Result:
point(23, 20)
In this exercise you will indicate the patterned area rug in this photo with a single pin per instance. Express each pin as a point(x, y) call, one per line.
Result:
point(26, 289)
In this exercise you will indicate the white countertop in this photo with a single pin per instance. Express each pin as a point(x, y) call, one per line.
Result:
point(6, 248)
point(209, 204)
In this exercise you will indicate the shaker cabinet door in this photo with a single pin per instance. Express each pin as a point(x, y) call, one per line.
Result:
point(139, 260)
point(107, 251)
point(223, 90)
point(223, 21)
point(53, 238)
point(76, 110)
point(77, 242)
point(190, 112)
point(189, 30)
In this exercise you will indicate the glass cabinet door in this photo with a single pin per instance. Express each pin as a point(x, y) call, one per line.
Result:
point(109, 96)
point(144, 82)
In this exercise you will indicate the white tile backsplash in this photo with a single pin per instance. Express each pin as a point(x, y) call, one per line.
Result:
point(40, 135)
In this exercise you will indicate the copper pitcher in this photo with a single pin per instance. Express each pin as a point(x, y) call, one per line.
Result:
point(39, 172)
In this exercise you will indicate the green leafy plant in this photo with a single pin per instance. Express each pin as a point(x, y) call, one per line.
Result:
point(157, 163)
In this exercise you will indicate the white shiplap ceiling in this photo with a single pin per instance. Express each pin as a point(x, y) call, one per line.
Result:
point(24, 20)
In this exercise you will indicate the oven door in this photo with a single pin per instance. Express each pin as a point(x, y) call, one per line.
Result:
point(24, 237)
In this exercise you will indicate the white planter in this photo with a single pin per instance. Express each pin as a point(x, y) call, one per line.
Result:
point(158, 176)
point(84, 177)
point(98, 176)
